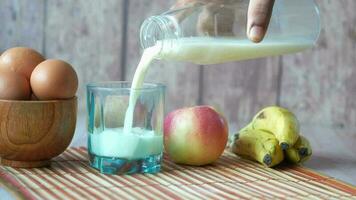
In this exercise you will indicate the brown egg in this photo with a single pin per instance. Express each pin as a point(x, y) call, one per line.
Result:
point(14, 86)
point(21, 60)
point(54, 79)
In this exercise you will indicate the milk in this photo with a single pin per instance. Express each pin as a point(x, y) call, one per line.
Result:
point(135, 143)
point(147, 57)
point(130, 143)
point(206, 50)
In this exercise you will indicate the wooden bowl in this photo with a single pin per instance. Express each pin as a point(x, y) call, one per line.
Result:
point(33, 132)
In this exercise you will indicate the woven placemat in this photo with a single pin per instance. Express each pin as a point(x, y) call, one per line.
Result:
point(70, 177)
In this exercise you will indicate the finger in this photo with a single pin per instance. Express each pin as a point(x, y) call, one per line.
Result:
point(206, 25)
point(182, 3)
point(258, 17)
point(216, 20)
point(180, 16)
point(189, 6)
point(225, 19)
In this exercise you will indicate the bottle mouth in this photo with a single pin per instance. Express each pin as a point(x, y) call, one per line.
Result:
point(159, 28)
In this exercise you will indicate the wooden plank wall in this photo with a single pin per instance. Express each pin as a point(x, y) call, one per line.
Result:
point(320, 84)
point(88, 34)
point(100, 39)
point(181, 79)
point(21, 24)
point(240, 89)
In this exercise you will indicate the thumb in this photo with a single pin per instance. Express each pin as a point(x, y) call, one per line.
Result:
point(258, 17)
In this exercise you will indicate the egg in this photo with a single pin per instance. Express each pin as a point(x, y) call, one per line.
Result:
point(21, 60)
point(54, 79)
point(14, 86)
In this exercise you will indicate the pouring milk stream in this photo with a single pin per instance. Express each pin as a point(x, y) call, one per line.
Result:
point(202, 50)
point(164, 37)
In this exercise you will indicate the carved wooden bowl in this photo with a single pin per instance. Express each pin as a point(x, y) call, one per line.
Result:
point(33, 132)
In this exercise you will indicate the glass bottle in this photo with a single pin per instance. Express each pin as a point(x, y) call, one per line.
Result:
point(211, 33)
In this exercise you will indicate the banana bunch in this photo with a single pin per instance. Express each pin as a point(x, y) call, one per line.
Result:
point(300, 152)
point(258, 145)
point(272, 135)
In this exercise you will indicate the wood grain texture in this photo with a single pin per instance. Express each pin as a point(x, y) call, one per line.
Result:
point(181, 79)
point(21, 24)
point(319, 85)
point(33, 132)
point(241, 89)
point(86, 34)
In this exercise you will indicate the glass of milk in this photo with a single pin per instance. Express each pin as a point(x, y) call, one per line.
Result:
point(138, 147)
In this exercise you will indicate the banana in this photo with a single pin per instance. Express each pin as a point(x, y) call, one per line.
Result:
point(258, 145)
point(279, 121)
point(246, 128)
point(300, 152)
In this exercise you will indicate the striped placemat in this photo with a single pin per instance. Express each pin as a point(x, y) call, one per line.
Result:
point(70, 177)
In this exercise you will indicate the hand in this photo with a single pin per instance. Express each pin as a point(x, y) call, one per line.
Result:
point(258, 16)
point(209, 23)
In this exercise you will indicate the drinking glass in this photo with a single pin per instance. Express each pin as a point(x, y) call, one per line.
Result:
point(115, 151)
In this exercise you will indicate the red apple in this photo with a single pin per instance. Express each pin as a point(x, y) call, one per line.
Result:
point(195, 136)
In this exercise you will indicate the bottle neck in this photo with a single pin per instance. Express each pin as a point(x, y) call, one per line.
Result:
point(163, 29)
